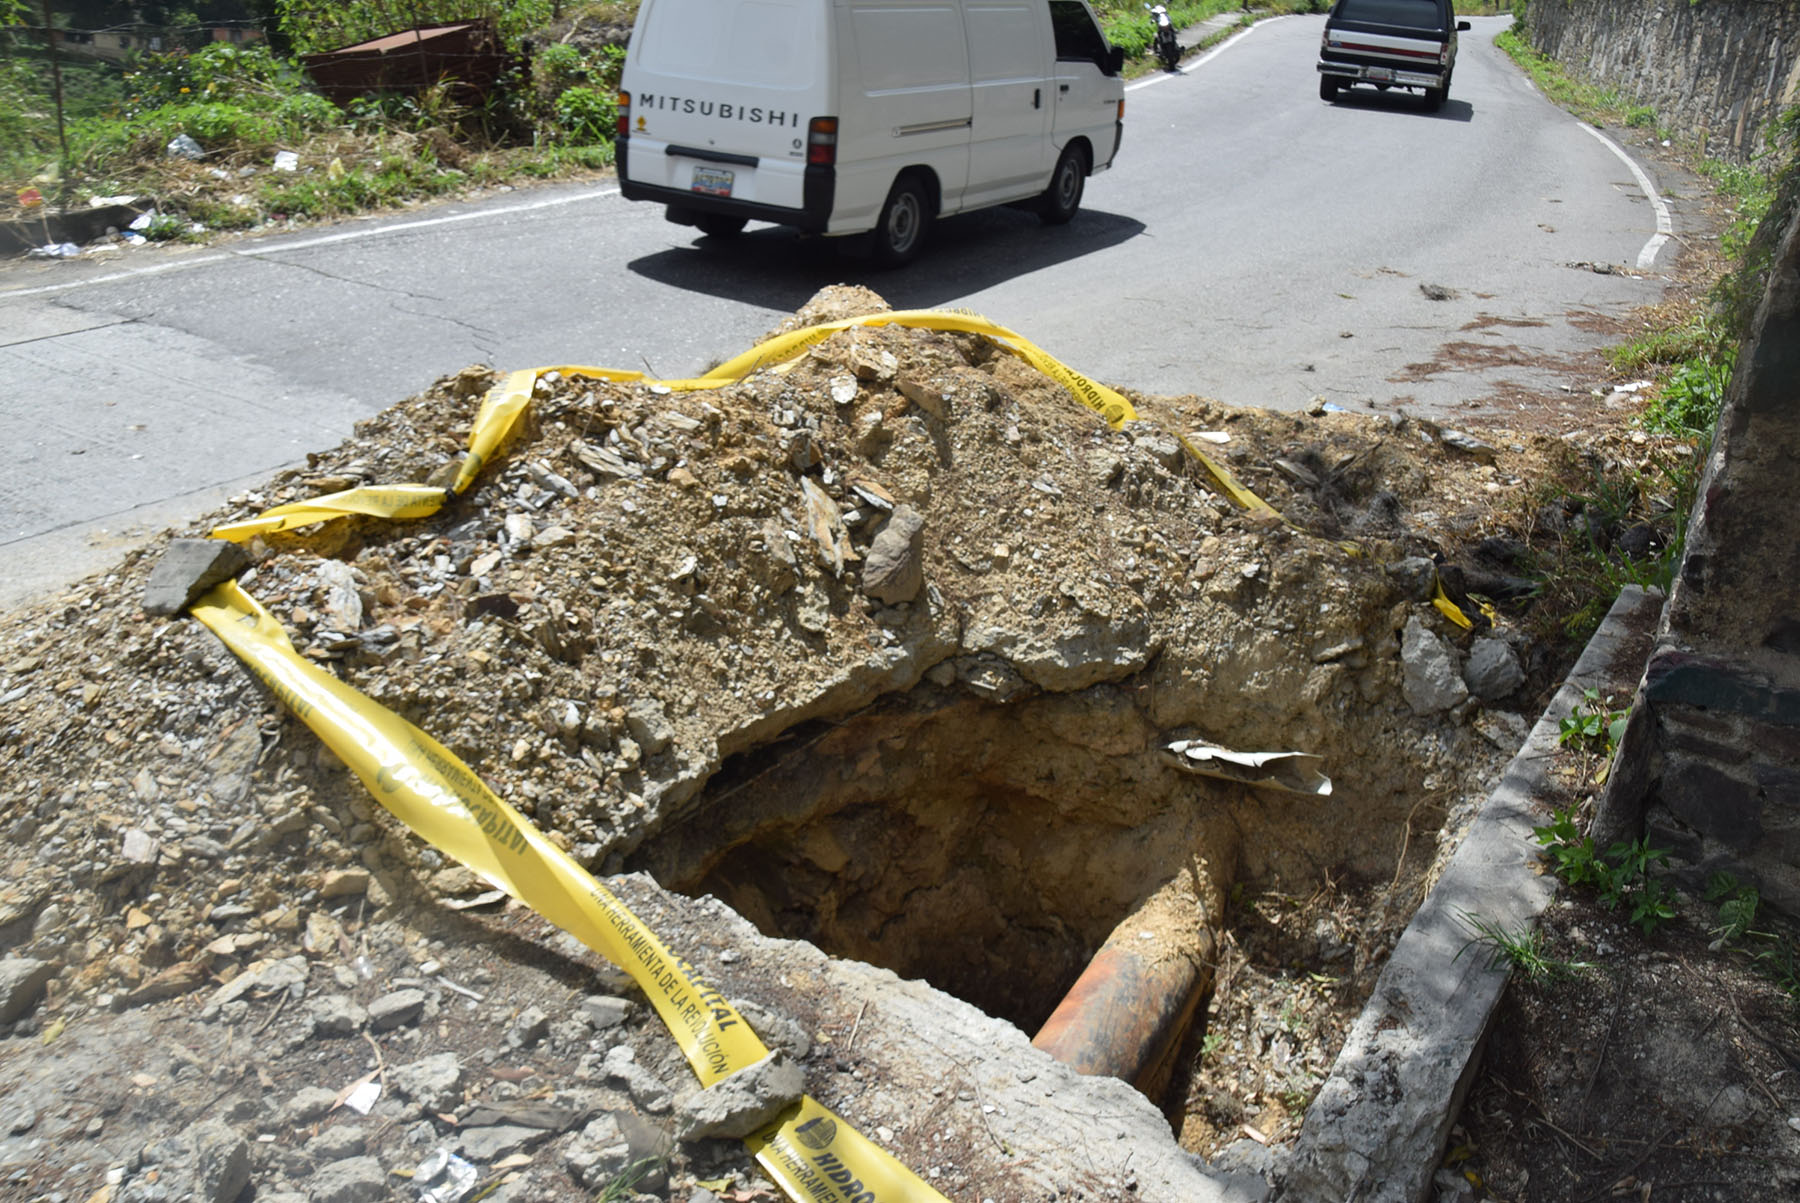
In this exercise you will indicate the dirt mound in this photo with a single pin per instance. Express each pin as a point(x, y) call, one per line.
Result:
point(883, 641)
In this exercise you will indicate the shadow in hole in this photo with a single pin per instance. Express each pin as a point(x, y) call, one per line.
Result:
point(775, 267)
point(1404, 103)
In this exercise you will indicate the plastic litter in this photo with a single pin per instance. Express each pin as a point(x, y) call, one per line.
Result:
point(362, 1097)
point(443, 1177)
point(54, 250)
point(287, 160)
point(184, 147)
point(1290, 772)
point(142, 220)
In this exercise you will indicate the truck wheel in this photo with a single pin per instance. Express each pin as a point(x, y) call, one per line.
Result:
point(720, 225)
point(1063, 197)
point(1435, 97)
point(1328, 87)
point(901, 230)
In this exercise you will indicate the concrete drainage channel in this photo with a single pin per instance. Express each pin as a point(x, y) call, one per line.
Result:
point(1039, 861)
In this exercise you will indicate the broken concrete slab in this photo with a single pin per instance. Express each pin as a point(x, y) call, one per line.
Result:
point(188, 569)
point(1376, 1130)
point(745, 1102)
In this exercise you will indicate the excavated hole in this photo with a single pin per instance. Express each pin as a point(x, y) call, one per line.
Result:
point(991, 849)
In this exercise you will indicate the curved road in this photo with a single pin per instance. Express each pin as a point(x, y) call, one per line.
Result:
point(1253, 244)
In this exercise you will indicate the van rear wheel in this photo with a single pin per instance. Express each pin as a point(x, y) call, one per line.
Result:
point(1063, 197)
point(901, 230)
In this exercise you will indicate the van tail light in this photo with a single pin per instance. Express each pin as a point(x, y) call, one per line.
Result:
point(1121, 108)
point(622, 126)
point(821, 142)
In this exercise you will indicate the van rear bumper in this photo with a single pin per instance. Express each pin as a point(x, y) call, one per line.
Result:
point(818, 193)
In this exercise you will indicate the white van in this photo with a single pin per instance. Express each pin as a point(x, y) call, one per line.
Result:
point(849, 116)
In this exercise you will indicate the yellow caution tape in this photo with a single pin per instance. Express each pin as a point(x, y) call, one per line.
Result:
point(814, 1155)
point(493, 422)
point(1448, 608)
point(384, 501)
point(1228, 483)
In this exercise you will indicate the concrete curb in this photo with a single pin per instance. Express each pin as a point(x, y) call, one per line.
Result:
point(1377, 1129)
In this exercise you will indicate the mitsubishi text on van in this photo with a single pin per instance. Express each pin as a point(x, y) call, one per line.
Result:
point(854, 116)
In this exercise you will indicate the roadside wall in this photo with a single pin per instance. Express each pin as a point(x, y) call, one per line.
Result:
point(1710, 760)
point(1716, 70)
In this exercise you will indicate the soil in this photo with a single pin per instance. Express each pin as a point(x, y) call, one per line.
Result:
point(638, 627)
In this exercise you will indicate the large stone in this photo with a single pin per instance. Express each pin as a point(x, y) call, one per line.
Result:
point(597, 1153)
point(396, 1008)
point(745, 1102)
point(1493, 671)
point(221, 1162)
point(646, 1089)
point(337, 1015)
point(602, 1011)
point(894, 570)
point(22, 980)
point(434, 1082)
point(1430, 681)
point(308, 1104)
point(500, 1140)
point(353, 1180)
point(188, 569)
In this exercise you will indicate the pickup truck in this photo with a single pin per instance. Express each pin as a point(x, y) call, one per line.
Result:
point(1390, 44)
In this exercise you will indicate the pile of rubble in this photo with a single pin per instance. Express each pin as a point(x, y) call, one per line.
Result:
point(709, 634)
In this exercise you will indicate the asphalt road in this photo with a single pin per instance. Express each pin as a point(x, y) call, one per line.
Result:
point(1253, 244)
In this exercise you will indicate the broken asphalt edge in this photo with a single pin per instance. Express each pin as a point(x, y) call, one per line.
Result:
point(1377, 1128)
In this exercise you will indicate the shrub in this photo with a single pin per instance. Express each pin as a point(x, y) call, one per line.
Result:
point(586, 115)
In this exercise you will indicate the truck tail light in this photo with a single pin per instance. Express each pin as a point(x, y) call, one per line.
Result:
point(821, 141)
point(622, 126)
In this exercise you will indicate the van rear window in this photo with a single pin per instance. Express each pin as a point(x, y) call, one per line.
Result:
point(1409, 14)
point(762, 43)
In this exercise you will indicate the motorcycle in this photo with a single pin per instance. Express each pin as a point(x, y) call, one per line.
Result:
point(1167, 48)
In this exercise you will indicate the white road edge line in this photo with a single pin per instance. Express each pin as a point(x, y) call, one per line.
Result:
point(1209, 56)
point(300, 244)
point(1665, 226)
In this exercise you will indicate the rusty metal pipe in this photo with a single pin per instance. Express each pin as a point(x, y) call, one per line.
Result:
point(1127, 1012)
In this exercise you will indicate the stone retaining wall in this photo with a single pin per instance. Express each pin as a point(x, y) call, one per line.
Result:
point(1717, 70)
point(1710, 761)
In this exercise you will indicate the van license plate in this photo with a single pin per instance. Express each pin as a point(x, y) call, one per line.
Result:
point(713, 181)
point(1376, 75)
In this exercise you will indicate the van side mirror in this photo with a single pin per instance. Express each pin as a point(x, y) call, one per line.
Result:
point(1463, 27)
point(1115, 59)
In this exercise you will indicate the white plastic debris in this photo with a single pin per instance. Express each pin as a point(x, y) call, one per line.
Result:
point(1290, 772)
point(287, 160)
point(443, 1177)
point(184, 147)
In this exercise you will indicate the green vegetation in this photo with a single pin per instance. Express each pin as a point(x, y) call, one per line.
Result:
point(1520, 949)
point(243, 103)
point(1621, 877)
point(1593, 725)
point(1774, 953)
